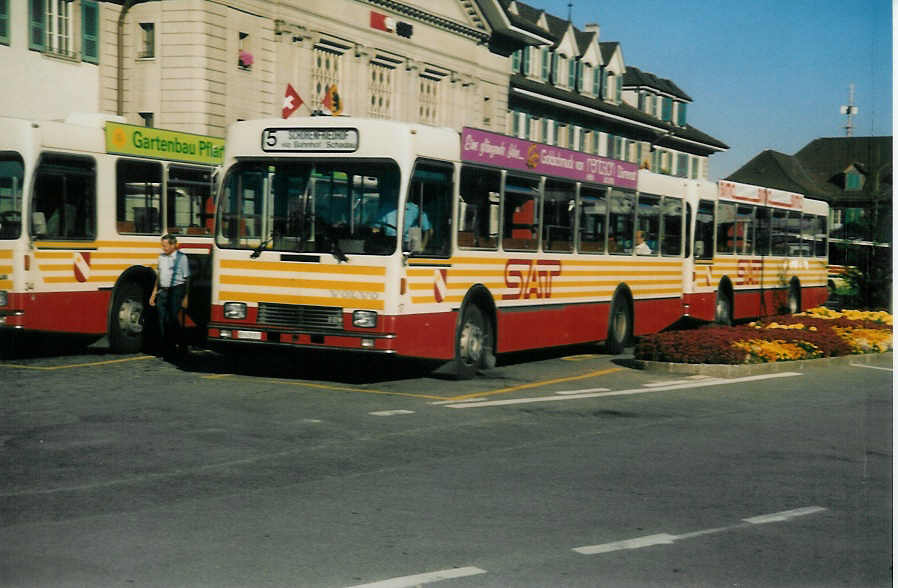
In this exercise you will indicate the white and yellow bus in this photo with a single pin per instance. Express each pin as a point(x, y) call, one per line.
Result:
point(83, 204)
point(380, 236)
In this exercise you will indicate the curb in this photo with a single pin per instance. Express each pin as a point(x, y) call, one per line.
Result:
point(729, 370)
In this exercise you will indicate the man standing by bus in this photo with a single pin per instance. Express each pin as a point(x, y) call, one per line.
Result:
point(170, 293)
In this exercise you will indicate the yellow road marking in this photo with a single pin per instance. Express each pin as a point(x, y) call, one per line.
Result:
point(535, 384)
point(75, 365)
point(332, 387)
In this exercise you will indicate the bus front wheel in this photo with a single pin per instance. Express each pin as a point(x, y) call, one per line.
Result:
point(473, 343)
point(126, 332)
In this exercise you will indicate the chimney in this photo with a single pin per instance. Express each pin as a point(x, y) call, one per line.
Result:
point(592, 28)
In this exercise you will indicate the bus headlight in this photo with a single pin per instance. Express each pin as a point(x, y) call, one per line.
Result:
point(4, 298)
point(364, 318)
point(234, 310)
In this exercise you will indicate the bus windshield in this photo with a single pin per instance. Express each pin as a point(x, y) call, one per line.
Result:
point(338, 207)
point(11, 176)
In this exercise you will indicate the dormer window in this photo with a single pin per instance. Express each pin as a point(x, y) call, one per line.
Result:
point(681, 114)
point(667, 109)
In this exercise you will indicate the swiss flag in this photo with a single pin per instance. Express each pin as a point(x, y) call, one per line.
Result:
point(292, 101)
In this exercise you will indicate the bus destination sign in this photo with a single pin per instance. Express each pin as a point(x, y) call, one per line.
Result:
point(334, 140)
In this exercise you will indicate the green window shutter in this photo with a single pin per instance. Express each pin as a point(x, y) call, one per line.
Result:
point(525, 63)
point(4, 22)
point(545, 64)
point(666, 109)
point(681, 114)
point(37, 13)
point(619, 90)
point(516, 61)
point(90, 31)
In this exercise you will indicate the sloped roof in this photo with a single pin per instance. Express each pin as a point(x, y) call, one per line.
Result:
point(817, 169)
point(626, 115)
point(608, 48)
point(635, 77)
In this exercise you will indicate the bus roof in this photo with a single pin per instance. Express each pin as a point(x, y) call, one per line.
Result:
point(338, 137)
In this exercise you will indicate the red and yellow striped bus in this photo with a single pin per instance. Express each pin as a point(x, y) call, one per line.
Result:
point(381, 236)
point(83, 204)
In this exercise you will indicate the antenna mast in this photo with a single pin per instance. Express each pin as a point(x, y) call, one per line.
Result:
point(849, 110)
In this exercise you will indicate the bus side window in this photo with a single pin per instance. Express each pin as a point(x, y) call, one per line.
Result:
point(189, 191)
point(478, 215)
point(428, 211)
point(726, 227)
point(821, 237)
point(762, 234)
point(704, 230)
point(622, 207)
point(778, 236)
point(520, 226)
point(745, 232)
point(64, 205)
point(138, 196)
point(671, 226)
point(559, 199)
point(593, 220)
point(648, 224)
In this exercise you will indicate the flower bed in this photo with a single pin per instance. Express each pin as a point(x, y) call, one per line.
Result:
point(819, 332)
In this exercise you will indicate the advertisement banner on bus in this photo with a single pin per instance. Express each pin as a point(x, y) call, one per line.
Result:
point(518, 154)
point(122, 139)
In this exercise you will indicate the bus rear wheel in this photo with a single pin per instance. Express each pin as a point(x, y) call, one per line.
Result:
point(723, 309)
point(126, 325)
point(620, 326)
point(794, 298)
point(473, 344)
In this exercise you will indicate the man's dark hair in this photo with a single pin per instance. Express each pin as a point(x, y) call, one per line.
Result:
point(170, 238)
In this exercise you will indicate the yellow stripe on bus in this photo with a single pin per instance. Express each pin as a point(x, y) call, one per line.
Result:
point(310, 300)
point(293, 267)
point(301, 283)
point(6, 254)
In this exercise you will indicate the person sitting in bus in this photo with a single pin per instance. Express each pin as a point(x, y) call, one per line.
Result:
point(416, 227)
point(642, 248)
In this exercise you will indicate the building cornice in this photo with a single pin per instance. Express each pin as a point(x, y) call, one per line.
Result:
point(481, 35)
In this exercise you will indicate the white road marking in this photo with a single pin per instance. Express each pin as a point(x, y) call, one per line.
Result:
point(786, 515)
point(665, 383)
point(667, 539)
point(870, 367)
point(439, 402)
point(390, 412)
point(600, 393)
point(427, 578)
point(569, 392)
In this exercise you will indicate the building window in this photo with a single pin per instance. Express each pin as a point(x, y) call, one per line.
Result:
point(428, 100)
point(682, 165)
point(853, 181)
point(325, 70)
point(50, 26)
point(90, 31)
point(380, 90)
point(4, 22)
point(147, 40)
point(244, 53)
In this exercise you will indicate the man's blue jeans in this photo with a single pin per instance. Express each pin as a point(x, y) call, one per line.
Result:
point(168, 304)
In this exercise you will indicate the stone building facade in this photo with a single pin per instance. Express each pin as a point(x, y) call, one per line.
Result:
point(199, 65)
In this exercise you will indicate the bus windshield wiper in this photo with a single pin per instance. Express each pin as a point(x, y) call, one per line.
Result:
point(258, 250)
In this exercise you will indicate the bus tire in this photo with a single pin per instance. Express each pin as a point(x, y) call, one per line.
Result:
point(620, 325)
point(473, 343)
point(794, 300)
point(126, 324)
point(723, 308)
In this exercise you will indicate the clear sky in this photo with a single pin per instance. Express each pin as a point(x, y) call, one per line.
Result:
point(762, 74)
